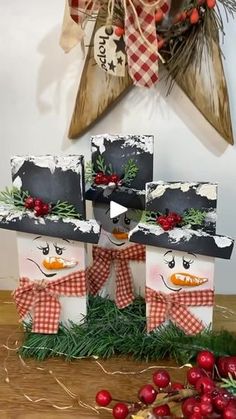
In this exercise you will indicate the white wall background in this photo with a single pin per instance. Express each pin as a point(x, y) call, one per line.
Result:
point(38, 85)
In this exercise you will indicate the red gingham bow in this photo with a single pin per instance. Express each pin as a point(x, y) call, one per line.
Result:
point(81, 9)
point(99, 272)
point(175, 307)
point(42, 297)
point(142, 58)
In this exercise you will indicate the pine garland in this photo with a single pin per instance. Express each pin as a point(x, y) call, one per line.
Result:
point(108, 331)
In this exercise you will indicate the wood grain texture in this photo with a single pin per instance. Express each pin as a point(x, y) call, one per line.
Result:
point(83, 377)
point(98, 91)
point(207, 89)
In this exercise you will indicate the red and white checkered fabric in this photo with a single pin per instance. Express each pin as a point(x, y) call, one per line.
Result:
point(43, 298)
point(174, 306)
point(80, 9)
point(142, 60)
point(99, 272)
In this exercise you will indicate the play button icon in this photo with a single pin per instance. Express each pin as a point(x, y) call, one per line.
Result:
point(116, 209)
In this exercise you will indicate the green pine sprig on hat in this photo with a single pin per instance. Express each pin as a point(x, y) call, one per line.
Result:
point(17, 198)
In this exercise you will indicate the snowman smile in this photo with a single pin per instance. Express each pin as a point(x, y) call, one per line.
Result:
point(44, 273)
point(167, 286)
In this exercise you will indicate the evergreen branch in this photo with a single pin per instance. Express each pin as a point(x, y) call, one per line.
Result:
point(14, 197)
point(149, 217)
point(130, 172)
point(110, 169)
point(194, 217)
point(89, 172)
point(108, 331)
point(64, 209)
point(229, 383)
point(101, 165)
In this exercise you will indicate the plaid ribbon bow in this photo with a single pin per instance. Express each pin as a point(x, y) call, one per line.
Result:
point(80, 9)
point(99, 272)
point(42, 297)
point(175, 307)
point(142, 57)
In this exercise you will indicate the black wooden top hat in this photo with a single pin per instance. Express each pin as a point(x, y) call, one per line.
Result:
point(50, 179)
point(183, 198)
point(130, 159)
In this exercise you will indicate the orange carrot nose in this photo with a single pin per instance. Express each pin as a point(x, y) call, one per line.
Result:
point(187, 280)
point(55, 263)
point(120, 235)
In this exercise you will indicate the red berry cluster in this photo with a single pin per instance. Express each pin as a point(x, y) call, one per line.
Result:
point(207, 401)
point(211, 401)
point(168, 222)
point(39, 207)
point(147, 396)
point(103, 179)
point(193, 14)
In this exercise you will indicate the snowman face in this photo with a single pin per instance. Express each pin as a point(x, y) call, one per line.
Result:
point(115, 231)
point(48, 257)
point(174, 271)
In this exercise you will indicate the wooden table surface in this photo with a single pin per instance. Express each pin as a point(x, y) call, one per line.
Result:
point(83, 377)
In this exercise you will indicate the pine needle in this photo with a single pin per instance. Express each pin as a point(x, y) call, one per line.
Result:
point(108, 331)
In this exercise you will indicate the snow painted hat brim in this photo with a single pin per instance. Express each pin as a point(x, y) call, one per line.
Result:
point(12, 218)
point(128, 197)
point(116, 151)
point(183, 239)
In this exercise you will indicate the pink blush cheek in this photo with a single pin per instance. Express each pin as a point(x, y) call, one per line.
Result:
point(153, 278)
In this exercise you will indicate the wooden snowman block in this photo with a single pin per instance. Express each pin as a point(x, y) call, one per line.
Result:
point(180, 255)
point(114, 242)
point(48, 213)
point(121, 165)
point(52, 259)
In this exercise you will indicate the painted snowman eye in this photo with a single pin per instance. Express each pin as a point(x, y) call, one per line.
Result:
point(171, 264)
point(45, 249)
point(127, 221)
point(59, 250)
point(115, 220)
point(169, 259)
point(187, 263)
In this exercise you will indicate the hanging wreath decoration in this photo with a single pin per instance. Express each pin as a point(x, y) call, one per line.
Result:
point(181, 35)
point(151, 31)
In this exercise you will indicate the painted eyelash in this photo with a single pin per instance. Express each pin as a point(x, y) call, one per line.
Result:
point(168, 261)
point(188, 261)
point(58, 247)
point(43, 247)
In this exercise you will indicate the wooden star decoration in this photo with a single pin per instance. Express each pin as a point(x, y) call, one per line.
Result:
point(90, 107)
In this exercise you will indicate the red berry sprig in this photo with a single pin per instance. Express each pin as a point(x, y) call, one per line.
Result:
point(103, 179)
point(147, 394)
point(170, 221)
point(200, 398)
point(103, 398)
point(161, 378)
point(39, 207)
